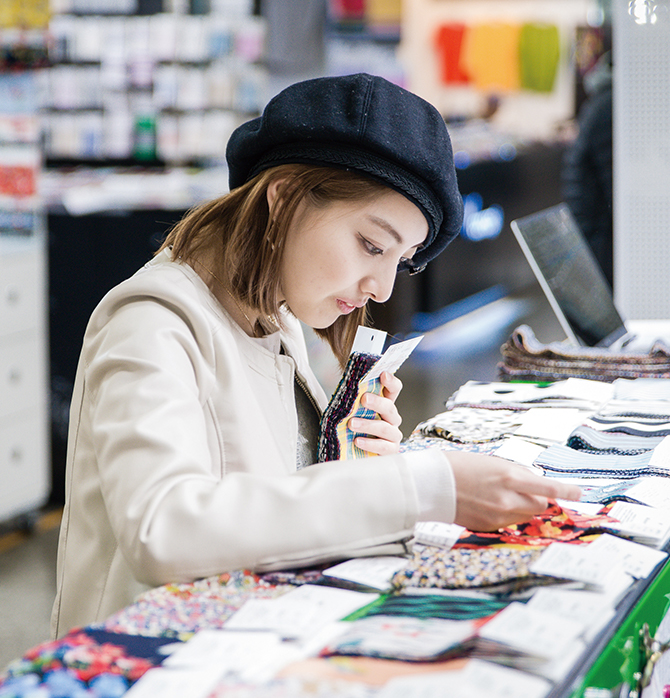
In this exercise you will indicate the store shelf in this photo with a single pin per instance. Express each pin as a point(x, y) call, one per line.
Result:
point(24, 465)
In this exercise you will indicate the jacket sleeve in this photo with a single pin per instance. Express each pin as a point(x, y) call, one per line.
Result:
point(176, 514)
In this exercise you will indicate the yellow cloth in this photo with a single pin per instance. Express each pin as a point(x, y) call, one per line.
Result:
point(490, 55)
point(31, 14)
point(383, 11)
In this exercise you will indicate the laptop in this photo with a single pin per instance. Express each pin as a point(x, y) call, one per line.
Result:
point(575, 285)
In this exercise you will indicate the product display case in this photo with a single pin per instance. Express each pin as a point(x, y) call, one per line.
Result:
point(24, 465)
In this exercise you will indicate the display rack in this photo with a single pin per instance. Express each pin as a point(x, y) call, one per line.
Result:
point(24, 471)
point(165, 88)
point(138, 105)
point(363, 36)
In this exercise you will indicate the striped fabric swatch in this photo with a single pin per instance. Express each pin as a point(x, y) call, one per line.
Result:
point(559, 460)
point(336, 440)
point(525, 358)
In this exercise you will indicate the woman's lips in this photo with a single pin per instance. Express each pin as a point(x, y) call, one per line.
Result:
point(345, 308)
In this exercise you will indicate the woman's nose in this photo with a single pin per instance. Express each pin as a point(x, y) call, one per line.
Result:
point(379, 285)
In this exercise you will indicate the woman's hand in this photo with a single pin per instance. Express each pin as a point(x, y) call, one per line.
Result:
point(383, 435)
point(492, 492)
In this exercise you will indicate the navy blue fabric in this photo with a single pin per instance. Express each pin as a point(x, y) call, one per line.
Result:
point(363, 123)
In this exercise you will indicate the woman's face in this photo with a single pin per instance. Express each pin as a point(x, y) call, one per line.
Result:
point(339, 257)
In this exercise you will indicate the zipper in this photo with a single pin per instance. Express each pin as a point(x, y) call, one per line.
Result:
point(303, 386)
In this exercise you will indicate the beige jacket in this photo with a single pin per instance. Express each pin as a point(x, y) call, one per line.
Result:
point(182, 452)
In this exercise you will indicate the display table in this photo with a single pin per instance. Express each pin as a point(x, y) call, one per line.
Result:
point(436, 625)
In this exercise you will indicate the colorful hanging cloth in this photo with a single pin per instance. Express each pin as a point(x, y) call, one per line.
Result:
point(490, 56)
point(539, 53)
point(448, 46)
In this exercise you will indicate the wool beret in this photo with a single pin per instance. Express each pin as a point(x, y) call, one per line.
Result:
point(366, 124)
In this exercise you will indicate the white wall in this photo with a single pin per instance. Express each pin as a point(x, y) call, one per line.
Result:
point(641, 44)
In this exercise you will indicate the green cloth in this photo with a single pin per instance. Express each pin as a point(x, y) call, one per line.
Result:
point(539, 53)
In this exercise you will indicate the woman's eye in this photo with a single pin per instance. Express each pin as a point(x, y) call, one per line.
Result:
point(370, 247)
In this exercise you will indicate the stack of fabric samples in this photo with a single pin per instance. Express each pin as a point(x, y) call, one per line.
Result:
point(525, 358)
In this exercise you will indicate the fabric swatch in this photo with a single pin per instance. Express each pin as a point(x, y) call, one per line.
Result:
point(552, 525)
point(434, 606)
point(336, 440)
point(559, 459)
point(524, 358)
point(494, 570)
point(470, 425)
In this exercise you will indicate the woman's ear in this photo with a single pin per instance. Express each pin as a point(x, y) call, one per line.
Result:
point(272, 192)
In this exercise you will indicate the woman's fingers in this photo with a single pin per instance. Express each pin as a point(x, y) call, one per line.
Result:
point(492, 492)
point(392, 385)
point(382, 435)
point(378, 436)
point(384, 407)
point(547, 487)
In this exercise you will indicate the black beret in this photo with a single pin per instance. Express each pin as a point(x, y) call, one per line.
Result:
point(362, 123)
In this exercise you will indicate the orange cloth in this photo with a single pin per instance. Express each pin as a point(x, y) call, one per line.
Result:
point(490, 55)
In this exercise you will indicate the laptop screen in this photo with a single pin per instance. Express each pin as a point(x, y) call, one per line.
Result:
point(570, 276)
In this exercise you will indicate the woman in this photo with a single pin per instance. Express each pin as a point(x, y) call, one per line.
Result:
point(195, 410)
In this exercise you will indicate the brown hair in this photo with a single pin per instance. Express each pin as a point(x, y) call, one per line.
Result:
point(246, 238)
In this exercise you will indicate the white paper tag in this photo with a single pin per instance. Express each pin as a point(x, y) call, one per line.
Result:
point(402, 637)
point(534, 632)
point(519, 450)
point(479, 679)
point(393, 358)
point(574, 562)
point(654, 491)
point(437, 533)
point(299, 613)
point(368, 341)
point(196, 682)
point(586, 607)
point(593, 563)
point(636, 559)
point(373, 572)
point(660, 457)
point(255, 656)
point(646, 523)
point(550, 424)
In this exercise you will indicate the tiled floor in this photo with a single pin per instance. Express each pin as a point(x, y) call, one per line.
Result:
point(27, 586)
point(467, 348)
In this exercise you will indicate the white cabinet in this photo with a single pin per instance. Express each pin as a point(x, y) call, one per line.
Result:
point(24, 463)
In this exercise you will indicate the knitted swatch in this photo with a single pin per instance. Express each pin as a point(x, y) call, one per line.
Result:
point(336, 440)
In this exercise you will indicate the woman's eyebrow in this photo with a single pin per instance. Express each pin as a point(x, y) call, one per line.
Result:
point(385, 225)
